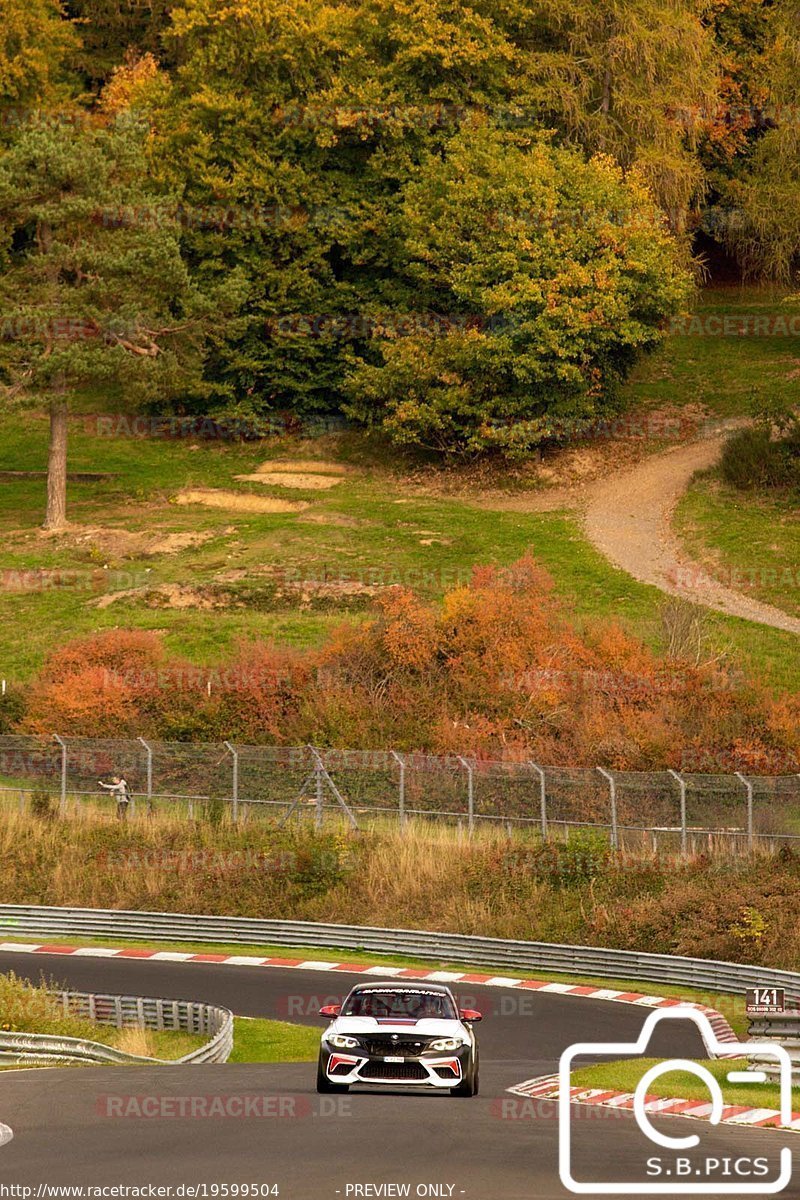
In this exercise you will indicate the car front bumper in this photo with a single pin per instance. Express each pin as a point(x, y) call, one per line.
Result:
point(353, 1067)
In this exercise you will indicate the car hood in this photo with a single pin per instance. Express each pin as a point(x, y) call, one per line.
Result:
point(428, 1026)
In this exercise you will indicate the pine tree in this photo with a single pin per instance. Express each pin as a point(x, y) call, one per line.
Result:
point(94, 293)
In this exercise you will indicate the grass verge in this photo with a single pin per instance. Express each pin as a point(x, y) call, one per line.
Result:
point(258, 1041)
point(750, 542)
point(624, 1076)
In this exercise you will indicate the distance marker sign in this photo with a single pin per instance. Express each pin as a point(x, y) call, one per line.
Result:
point(766, 1000)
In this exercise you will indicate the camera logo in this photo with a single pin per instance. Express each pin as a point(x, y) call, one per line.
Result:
point(6, 1134)
point(676, 1170)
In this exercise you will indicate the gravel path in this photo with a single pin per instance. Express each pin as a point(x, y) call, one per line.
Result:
point(628, 517)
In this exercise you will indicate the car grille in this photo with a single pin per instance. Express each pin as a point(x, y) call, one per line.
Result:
point(403, 1070)
point(409, 1047)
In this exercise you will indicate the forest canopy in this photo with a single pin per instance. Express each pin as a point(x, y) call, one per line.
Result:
point(459, 223)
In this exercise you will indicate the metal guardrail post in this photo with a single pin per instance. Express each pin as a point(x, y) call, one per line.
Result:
point(750, 823)
point(684, 832)
point(63, 801)
point(542, 797)
point(149, 753)
point(612, 797)
point(401, 796)
point(470, 793)
point(234, 781)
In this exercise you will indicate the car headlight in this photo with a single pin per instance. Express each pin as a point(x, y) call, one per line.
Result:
point(341, 1042)
point(446, 1044)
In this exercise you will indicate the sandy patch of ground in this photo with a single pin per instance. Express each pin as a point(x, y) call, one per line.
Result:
point(174, 542)
point(339, 519)
point(238, 501)
point(307, 591)
point(167, 595)
point(312, 465)
point(317, 483)
point(127, 543)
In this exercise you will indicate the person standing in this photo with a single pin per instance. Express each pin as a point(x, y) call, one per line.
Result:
point(119, 788)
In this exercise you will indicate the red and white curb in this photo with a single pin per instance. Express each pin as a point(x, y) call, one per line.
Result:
point(547, 1088)
point(720, 1027)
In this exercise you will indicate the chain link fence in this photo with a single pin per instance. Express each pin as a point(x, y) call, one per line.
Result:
point(677, 812)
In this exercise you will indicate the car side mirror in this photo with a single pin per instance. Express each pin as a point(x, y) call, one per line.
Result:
point(470, 1014)
point(330, 1010)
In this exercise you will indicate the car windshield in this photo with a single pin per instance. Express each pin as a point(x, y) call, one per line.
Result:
point(405, 1005)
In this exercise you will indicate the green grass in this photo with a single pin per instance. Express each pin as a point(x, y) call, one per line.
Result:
point(257, 1041)
point(624, 1076)
point(727, 375)
point(749, 541)
point(372, 527)
point(731, 1006)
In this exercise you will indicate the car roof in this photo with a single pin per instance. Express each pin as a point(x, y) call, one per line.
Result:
point(412, 985)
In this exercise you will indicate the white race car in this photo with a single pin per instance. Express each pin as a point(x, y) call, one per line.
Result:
point(390, 1034)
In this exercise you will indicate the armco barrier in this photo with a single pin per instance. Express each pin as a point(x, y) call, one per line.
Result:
point(784, 1030)
point(41, 922)
point(124, 1012)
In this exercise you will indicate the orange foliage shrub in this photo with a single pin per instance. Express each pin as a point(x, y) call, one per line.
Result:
point(496, 671)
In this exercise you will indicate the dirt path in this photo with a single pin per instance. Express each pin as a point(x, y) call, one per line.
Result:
point(628, 517)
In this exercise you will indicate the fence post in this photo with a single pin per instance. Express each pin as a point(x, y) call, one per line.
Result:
point(63, 801)
point(750, 829)
point(612, 796)
point(470, 794)
point(318, 816)
point(401, 798)
point(542, 797)
point(682, 786)
point(235, 781)
point(149, 774)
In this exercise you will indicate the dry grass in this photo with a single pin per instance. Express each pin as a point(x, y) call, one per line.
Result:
point(32, 1008)
point(743, 909)
point(136, 1041)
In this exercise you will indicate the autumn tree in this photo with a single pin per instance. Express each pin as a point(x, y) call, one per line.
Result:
point(306, 123)
point(113, 30)
point(36, 41)
point(762, 198)
point(554, 273)
point(631, 79)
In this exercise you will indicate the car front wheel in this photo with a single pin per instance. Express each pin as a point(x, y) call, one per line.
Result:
point(324, 1085)
point(469, 1084)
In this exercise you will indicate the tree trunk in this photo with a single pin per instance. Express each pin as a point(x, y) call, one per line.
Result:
point(56, 516)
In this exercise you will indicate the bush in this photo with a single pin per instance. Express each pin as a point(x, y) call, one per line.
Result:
point(496, 671)
point(552, 275)
point(757, 460)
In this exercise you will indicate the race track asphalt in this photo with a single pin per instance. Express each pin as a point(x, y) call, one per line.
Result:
point(80, 1126)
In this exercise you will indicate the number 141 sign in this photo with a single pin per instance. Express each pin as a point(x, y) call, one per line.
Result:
point(766, 1000)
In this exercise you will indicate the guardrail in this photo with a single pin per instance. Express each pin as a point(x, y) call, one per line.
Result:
point(782, 1028)
point(46, 922)
point(124, 1012)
